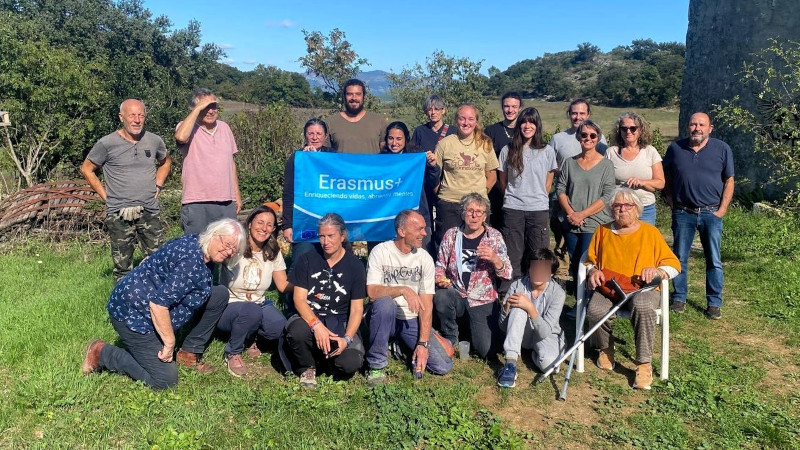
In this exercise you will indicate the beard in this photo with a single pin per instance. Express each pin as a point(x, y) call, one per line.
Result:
point(351, 111)
point(697, 138)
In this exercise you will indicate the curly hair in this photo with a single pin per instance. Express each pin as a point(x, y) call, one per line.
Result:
point(645, 134)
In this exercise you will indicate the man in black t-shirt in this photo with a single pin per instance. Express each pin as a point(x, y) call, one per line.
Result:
point(501, 134)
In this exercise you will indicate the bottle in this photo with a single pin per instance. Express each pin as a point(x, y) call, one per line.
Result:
point(417, 372)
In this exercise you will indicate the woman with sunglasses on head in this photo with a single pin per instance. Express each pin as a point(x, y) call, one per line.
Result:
point(584, 188)
point(637, 164)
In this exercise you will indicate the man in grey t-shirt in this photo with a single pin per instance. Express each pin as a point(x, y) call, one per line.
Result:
point(129, 157)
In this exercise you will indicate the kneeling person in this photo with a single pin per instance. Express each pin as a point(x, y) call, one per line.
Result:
point(530, 317)
point(400, 284)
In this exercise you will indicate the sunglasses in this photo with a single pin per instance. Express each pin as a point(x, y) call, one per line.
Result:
point(589, 135)
point(627, 129)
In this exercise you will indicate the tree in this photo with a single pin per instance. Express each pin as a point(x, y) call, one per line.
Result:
point(585, 52)
point(331, 58)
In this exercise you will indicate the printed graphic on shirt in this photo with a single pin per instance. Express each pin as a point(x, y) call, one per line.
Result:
point(327, 293)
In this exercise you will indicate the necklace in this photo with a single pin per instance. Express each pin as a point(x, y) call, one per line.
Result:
point(505, 130)
point(468, 144)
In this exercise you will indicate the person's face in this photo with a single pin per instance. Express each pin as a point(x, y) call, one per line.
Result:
point(629, 131)
point(414, 231)
point(223, 247)
point(539, 272)
point(261, 228)
point(588, 138)
point(578, 113)
point(466, 119)
point(624, 212)
point(331, 239)
point(528, 129)
point(315, 136)
point(132, 117)
point(511, 109)
point(699, 128)
point(395, 140)
point(474, 215)
point(435, 114)
point(208, 115)
point(354, 99)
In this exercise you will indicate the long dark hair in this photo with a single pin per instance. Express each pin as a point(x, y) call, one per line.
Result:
point(528, 115)
point(397, 125)
point(269, 248)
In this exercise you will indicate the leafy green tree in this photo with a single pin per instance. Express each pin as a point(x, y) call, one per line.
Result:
point(330, 58)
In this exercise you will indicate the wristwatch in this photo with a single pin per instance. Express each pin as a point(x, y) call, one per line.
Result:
point(422, 343)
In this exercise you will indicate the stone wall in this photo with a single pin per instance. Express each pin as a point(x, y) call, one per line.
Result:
point(722, 34)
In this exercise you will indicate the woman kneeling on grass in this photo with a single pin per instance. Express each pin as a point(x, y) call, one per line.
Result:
point(330, 285)
point(249, 314)
point(160, 296)
point(530, 316)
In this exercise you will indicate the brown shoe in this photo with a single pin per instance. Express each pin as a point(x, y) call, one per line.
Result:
point(605, 360)
point(253, 351)
point(235, 365)
point(91, 361)
point(644, 376)
point(188, 359)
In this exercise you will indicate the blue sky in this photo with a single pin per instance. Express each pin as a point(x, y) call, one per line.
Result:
point(392, 37)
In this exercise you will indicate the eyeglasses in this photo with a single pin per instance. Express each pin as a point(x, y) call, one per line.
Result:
point(475, 212)
point(589, 135)
point(234, 249)
point(622, 206)
point(627, 129)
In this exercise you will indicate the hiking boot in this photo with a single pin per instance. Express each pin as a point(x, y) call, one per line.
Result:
point(192, 360)
point(308, 379)
point(507, 377)
point(235, 365)
point(91, 361)
point(375, 377)
point(605, 360)
point(644, 376)
point(677, 307)
point(713, 313)
point(253, 351)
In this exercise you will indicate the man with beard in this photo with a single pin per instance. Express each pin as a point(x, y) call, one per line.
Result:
point(501, 134)
point(355, 130)
point(699, 189)
point(129, 157)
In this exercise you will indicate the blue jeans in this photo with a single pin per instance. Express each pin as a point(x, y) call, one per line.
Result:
point(383, 325)
point(649, 214)
point(577, 244)
point(709, 226)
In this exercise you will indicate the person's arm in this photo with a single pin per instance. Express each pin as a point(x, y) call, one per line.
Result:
point(502, 178)
point(425, 322)
point(162, 172)
point(657, 182)
point(548, 184)
point(491, 179)
point(544, 322)
point(281, 281)
point(163, 325)
point(88, 169)
point(322, 336)
point(184, 130)
point(727, 196)
point(353, 322)
point(376, 291)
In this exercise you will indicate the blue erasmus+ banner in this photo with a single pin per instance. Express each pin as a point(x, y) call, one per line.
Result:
point(366, 190)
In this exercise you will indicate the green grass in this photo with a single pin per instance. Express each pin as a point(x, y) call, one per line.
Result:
point(734, 383)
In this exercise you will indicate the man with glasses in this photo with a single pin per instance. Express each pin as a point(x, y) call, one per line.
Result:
point(699, 189)
point(210, 182)
point(135, 165)
point(501, 133)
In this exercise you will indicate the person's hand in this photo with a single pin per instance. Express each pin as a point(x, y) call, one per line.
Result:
point(166, 352)
point(323, 336)
point(431, 157)
point(414, 302)
point(342, 344)
point(634, 183)
point(309, 148)
point(719, 213)
point(649, 273)
point(420, 358)
point(575, 219)
point(596, 278)
point(485, 252)
point(523, 302)
point(287, 234)
point(204, 102)
point(238, 204)
point(444, 282)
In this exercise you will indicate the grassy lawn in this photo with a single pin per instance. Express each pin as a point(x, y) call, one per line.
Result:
point(734, 382)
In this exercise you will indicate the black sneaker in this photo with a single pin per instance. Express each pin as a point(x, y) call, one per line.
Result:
point(713, 313)
point(678, 307)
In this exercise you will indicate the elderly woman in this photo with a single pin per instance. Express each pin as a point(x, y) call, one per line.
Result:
point(468, 164)
point(471, 258)
point(635, 250)
point(584, 189)
point(330, 285)
point(249, 313)
point(637, 164)
point(162, 295)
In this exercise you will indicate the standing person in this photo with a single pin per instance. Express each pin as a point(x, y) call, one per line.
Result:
point(468, 165)
point(355, 130)
point(162, 295)
point(585, 187)
point(699, 172)
point(129, 157)
point(637, 164)
point(210, 182)
point(400, 287)
point(527, 167)
point(329, 290)
point(501, 134)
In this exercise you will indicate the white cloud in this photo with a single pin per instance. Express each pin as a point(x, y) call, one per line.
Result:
point(249, 62)
point(228, 61)
point(285, 23)
point(225, 46)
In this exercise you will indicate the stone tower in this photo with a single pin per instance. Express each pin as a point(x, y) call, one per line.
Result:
point(722, 34)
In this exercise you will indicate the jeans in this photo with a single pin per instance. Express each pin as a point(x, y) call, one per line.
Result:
point(649, 214)
point(449, 305)
point(709, 226)
point(519, 335)
point(383, 324)
point(524, 230)
point(577, 244)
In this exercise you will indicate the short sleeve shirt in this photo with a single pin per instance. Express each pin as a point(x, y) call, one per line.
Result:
point(250, 277)
point(500, 135)
point(129, 169)
point(641, 167)
point(388, 266)
point(207, 173)
point(584, 187)
point(364, 136)
point(330, 289)
point(697, 178)
point(526, 191)
point(464, 168)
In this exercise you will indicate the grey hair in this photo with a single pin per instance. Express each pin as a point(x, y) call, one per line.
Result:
point(198, 94)
point(144, 107)
point(401, 218)
point(474, 197)
point(433, 101)
point(335, 220)
point(626, 195)
point(590, 124)
point(224, 227)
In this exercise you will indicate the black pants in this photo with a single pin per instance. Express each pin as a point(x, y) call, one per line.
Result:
point(302, 351)
point(525, 231)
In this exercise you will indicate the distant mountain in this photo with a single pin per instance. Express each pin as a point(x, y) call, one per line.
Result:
point(375, 80)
